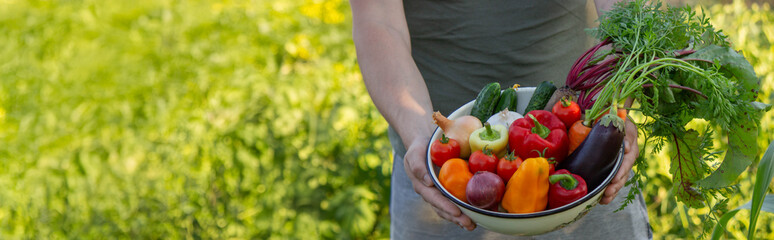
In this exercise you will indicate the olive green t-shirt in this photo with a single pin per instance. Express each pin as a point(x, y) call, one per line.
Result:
point(460, 46)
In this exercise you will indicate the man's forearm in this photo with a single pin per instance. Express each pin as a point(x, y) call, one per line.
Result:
point(391, 76)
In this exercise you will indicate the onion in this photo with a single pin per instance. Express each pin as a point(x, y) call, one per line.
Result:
point(485, 190)
point(504, 118)
point(459, 129)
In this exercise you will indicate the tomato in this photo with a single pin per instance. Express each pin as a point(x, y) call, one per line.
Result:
point(454, 177)
point(567, 110)
point(507, 166)
point(444, 149)
point(551, 167)
point(483, 160)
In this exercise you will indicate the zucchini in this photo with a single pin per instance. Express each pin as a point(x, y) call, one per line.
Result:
point(540, 98)
point(508, 99)
point(486, 101)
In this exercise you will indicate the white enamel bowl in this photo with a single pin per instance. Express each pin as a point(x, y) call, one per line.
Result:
point(522, 224)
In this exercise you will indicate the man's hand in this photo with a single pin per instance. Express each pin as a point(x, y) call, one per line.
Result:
point(631, 151)
point(415, 164)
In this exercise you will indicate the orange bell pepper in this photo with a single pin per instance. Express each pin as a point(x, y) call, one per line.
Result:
point(454, 177)
point(527, 191)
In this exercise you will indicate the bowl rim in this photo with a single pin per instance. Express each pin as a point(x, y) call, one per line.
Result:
point(429, 165)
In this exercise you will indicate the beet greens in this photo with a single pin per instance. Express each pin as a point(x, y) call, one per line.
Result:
point(677, 68)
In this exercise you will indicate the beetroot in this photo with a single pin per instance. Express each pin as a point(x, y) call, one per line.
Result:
point(485, 190)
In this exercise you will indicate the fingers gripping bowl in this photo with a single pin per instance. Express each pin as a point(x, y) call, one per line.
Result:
point(529, 223)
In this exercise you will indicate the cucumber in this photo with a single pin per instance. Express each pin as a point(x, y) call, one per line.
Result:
point(486, 101)
point(541, 96)
point(508, 99)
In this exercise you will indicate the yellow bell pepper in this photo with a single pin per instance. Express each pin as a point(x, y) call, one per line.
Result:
point(527, 190)
point(494, 137)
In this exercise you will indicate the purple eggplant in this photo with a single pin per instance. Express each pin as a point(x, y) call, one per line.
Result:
point(595, 157)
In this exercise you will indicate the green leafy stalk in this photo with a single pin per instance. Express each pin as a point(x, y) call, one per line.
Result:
point(760, 201)
point(766, 203)
point(762, 180)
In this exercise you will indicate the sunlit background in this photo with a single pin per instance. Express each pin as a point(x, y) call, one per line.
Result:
point(231, 120)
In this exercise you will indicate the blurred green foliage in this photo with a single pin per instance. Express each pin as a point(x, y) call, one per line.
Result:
point(187, 119)
point(226, 119)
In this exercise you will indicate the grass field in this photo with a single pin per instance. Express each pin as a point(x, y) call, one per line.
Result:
point(227, 120)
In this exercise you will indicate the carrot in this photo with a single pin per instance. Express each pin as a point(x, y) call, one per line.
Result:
point(621, 114)
point(577, 133)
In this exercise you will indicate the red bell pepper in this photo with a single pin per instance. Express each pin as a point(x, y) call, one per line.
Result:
point(539, 134)
point(565, 188)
